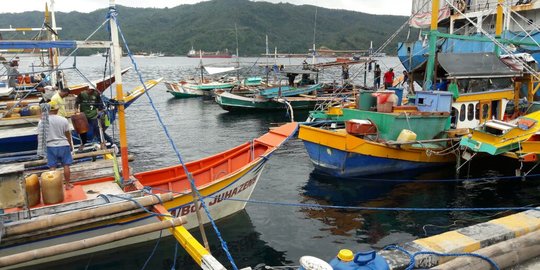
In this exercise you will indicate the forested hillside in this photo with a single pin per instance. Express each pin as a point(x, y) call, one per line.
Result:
point(210, 26)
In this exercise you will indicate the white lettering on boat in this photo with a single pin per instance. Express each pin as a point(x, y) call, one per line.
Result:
point(216, 198)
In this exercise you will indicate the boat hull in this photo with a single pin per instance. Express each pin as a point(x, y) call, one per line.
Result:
point(239, 186)
point(344, 164)
point(343, 155)
point(225, 181)
point(235, 103)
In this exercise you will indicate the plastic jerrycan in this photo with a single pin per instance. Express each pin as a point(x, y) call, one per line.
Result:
point(345, 260)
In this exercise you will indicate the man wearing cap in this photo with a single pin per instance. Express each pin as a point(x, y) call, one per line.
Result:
point(89, 102)
point(58, 100)
point(58, 138)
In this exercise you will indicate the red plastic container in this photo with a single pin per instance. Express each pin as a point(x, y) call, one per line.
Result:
point(360, 127)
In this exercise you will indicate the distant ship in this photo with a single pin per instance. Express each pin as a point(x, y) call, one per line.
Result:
point(219, 54)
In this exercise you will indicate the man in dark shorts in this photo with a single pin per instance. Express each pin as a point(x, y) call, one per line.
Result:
point(89, 102)
point(59, 143)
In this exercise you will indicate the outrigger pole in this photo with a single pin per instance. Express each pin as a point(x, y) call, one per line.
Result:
point(117, 56)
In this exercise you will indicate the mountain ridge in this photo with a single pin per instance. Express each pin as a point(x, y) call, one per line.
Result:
point(210, 26)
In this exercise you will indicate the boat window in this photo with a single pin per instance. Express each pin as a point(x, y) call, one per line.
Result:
point(470, 112)
point(462, 112)
point(477, 111)
point(485, 111)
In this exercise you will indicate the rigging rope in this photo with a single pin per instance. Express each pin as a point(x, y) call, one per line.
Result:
point(113, 15)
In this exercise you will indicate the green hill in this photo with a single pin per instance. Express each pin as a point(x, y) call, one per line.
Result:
point(210, 26)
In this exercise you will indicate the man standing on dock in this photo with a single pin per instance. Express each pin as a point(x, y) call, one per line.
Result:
point(55, 131)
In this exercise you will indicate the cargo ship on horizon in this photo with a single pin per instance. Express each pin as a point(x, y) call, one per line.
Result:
point(202, 54)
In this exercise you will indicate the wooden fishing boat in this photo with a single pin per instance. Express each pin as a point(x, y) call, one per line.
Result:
point(232, 174)
point(475, 88)
point(19, 134)
point(185, 89)
point(276, 98)
point(100, 211)
point(517, 140)
point(377, 147)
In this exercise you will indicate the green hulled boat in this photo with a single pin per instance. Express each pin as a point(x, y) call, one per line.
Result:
point(270, 99)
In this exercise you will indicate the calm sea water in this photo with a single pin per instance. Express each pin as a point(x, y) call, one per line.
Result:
point(278, 235)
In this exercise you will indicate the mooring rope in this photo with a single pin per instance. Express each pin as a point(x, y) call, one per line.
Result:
point(412, 256)
point(113, 15)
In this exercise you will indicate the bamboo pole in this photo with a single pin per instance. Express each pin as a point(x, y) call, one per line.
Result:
point(49, 221)
point(504, 254)
point(76, 156)
point(87, 243)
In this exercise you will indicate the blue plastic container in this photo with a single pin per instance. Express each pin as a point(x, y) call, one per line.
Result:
point(25, 111)
point(433, 101)
point(362, 261)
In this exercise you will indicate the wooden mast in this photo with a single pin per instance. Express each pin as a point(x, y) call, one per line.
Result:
point(117, 55)
point(433, 35)
point(499, 25)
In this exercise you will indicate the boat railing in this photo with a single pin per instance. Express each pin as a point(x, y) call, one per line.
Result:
point(469, 6)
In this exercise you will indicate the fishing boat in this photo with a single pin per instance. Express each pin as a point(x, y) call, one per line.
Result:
point(202, 54)
point(301, 94)
point(19, 134)
point(460, 18)
point(264, 101)
point(474, 88)
point(204, 86)
point(99, 212)
point(517, 141)
point(192, 88)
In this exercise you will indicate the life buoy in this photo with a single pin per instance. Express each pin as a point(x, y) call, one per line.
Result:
point(460, 5)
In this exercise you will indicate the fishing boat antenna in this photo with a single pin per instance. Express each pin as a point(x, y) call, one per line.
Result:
point(117, 56)
point(314, 37)
point(237, 55)
point(201, 66)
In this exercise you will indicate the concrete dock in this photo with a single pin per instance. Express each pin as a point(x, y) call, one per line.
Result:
point(468, 240)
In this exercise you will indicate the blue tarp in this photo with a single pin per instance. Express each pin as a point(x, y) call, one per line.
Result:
point(37, 44)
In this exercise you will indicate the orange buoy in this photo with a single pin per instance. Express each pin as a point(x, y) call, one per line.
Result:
point(27, 79)
point(33, 190)
point(52, 187)
point(80, 124)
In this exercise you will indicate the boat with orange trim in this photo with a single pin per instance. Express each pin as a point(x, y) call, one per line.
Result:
point(232, 174)
point(108, 202)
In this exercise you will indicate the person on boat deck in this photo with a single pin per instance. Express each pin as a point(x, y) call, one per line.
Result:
point(60, 79)
point(48, 92)
point(291, 77)
point(305, 65)
point(405, 83)
point(56, 131)
point(345, 72)
point(13, 73)
point(377, 77)
point(58, 100)
point(389, 78)
point(89, 102)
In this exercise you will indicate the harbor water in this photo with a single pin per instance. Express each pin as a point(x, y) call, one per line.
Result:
point(281, 234)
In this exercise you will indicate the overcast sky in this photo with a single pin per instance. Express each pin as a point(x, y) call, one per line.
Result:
point(394, 7)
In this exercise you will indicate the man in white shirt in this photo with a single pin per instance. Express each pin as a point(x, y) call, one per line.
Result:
point(59, 143)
